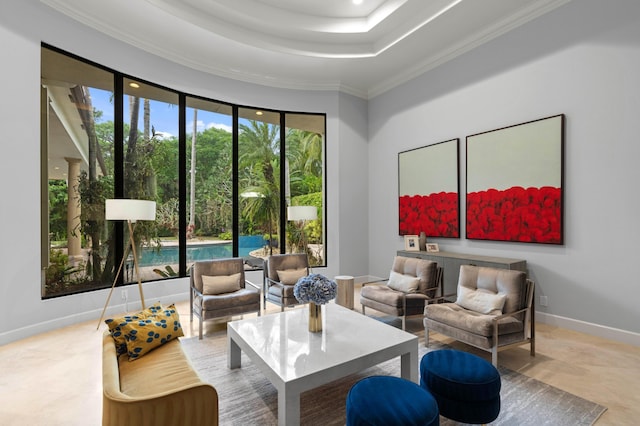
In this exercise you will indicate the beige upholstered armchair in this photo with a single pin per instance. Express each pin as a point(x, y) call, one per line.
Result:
point(219, 289)
point(494, 309)
point(281, 272)
point(411, 284)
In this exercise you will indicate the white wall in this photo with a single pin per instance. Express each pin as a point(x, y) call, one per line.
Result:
point(582, 60)
point(23, 25)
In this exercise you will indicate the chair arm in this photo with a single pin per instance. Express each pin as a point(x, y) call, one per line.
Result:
point(254, 285)
point(510, 314)
point(377, 282)
point(443, 299)
point(435, 290)
point(195, 291)
point(269, 281)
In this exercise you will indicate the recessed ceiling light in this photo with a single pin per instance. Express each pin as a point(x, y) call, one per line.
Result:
point(258, 112)
point(357, 1)
point(134, 85)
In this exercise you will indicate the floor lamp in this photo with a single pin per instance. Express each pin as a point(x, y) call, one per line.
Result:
point(131, 211)
point(302, 214)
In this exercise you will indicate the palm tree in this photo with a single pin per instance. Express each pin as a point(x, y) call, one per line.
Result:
point(304, 154)
point(259, 148)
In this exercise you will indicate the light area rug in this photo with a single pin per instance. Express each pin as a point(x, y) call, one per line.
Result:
point(246, 397)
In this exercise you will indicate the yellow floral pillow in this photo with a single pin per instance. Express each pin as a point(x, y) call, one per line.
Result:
point(115, 325)
point(148, 333)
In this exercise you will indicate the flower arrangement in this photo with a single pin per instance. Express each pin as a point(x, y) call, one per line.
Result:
point(315, 288)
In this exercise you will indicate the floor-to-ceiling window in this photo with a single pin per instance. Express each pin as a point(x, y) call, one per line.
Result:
point(305, 185)
point(78, 144)
point(222, 177)
point(259, 178)
point(209, 140)
point(150, 164)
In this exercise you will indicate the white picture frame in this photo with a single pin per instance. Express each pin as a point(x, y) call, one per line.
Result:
point(432, 248)
point(411, 243)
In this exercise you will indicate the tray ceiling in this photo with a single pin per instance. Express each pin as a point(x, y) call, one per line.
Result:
point(362, 49)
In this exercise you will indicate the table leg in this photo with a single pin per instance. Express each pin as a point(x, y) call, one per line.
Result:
point(288, 407)
point(233, 354)
point(409, 366)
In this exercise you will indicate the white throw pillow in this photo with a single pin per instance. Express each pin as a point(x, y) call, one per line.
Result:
point(219, 284)
point(291, 276)
point(481, 301)
point(403, 283)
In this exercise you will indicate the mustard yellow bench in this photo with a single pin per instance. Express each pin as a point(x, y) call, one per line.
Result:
point(160, 388)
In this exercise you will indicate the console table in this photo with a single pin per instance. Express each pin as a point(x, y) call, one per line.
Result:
point(450, 263)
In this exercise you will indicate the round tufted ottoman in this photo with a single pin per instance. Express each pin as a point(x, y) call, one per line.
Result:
point(466, 387)
point(389, 401)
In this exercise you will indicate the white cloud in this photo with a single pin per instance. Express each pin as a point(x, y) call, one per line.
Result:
point(200, 123)
point(163, 135)
point(220, 126)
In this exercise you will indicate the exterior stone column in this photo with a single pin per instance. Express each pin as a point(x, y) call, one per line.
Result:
point(73, 210)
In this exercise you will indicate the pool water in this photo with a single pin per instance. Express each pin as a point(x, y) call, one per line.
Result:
point(168, 255)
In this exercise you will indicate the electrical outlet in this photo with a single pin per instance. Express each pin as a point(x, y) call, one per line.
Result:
point(124, 295)
point(544, 301)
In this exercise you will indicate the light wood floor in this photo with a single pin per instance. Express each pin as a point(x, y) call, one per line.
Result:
point(56, 378)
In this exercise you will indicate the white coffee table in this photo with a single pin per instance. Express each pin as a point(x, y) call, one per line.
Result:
point(295, 360)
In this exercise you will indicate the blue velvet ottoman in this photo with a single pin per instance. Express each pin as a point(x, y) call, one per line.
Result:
point(390, 401)
point(466, 387)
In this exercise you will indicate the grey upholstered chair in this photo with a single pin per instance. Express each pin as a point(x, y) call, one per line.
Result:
point(411, 285)
point(281, 272)
point(494, 309)
point(219, 289)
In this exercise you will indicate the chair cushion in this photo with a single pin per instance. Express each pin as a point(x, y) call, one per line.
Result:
point(244, 296)
point(481, 301)
point(424, 270)
point(403, 283)
point(283, 262)
point(281, 290)
point(216, 267)
point(470, 321)
point(161, 371)
point(291, 276)
point(219, 284)
point(501, 281)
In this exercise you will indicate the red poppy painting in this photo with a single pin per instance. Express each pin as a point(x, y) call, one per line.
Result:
point(514, 183)
point(428, 190)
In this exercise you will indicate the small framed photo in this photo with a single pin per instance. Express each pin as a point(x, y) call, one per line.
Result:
point(432, 248)
point(411, 243)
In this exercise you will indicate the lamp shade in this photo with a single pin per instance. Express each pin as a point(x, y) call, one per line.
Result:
point(133, 210)
point(302, 213)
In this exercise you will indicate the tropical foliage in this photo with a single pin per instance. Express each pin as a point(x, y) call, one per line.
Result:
point(151, 172)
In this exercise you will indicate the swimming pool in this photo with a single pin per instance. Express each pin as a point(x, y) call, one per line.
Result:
point(168, 255)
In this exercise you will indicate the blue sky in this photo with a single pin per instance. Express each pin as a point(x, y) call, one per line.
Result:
point(164, 117)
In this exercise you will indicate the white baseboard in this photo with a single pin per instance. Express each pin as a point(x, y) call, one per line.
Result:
point(46, 326)
point(603, 331)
